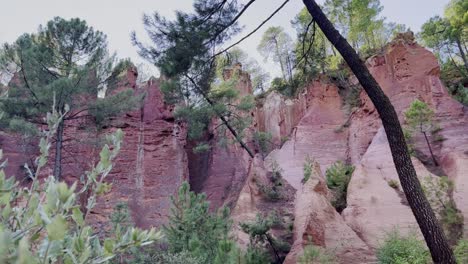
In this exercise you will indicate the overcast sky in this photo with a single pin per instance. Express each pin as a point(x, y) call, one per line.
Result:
point(117, 18)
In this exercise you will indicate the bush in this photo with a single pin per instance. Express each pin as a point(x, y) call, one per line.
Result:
point(261, 239)
point(399, 249)
point(461, 251)
point(43, 223)
point(338, 177)
point(263, 141)
point(193, 228)
point(439, 193)
point(314, 254)
point(394, 184)
point(308, 167)
point(272, 191)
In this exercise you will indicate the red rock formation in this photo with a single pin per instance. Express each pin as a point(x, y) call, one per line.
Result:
point(227, 166)
point(151, 164)
point(148, 170)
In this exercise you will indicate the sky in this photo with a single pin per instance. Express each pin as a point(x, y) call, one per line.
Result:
point(118, 18)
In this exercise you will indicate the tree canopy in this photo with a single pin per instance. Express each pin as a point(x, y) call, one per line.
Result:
point(65, 64)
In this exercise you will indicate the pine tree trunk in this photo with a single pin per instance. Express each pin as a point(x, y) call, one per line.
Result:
point(430, 149)
point(430, 227)
point(58, 151)
point(462, 53)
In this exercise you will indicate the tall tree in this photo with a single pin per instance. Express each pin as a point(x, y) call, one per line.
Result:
point(184, 51)
point(65, 64)
point(182, 39)
point(425, 217)
point(448, 35)
point(278, 44)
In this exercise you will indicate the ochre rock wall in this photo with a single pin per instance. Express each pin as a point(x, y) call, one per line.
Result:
point(148, 170)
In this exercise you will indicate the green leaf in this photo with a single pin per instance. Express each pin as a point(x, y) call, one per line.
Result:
point(77, 216)
point(57, 229)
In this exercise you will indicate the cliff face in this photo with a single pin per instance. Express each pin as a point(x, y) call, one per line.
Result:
point(327, 133)
point(316, 126)
point(148, 170)
point(151, 164)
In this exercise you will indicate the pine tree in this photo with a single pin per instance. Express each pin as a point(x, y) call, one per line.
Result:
point(184, 51)
point(193, 228)
point(430, 227)
point(65, 64)
point(420, 118)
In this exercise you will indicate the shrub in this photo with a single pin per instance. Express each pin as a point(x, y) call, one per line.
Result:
point(314, 254)
point(43, 223)
point(255, 255)
point(461, 251)
point(193, 228)
point(338, 177)
point(262, 240)
point(398, 249)
point(394, 184)
point(308, 167)
point(263, 141)
point(439, 193)
point(272, 190)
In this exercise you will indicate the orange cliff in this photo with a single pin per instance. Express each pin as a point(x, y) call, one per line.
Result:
point(316, 125)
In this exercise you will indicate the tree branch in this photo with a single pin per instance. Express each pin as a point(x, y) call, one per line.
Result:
point(253, 31)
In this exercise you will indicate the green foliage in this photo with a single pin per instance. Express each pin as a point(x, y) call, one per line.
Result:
point(461, 251)
point(272, 190)
point(419, 117)
point(112, 105)
point(120, 216)
point(439, 192)
point(394, 184)
point(307, 169)
point(314, 254)
point(263, 141)
point(43, 223)
point(361, 24)
point(338, 176)
point(162, 257)
point(447, 37)
point(398, 249)
point(235, 56)
point(184, 51)
point(262, 241)
point(193, 228)
point(277, 44)
point(65, 64)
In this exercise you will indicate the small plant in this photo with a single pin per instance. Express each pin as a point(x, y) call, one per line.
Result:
point(273, 190)
point(314, 254)
point(308, 167)
point(43, 223)
point(420, 118)
point(262, 240)
point(194, 229)
point(263, 141)
point(394, 184)
point(461, 251)
point(338, 177)
point(439, 193)
point(398, 249)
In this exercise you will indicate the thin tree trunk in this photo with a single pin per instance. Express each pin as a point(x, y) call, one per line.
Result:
point(425, 217)
point(430, 149)
point(58, 151)
point(462, 53)
point(283, 71)
point(223, 119)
